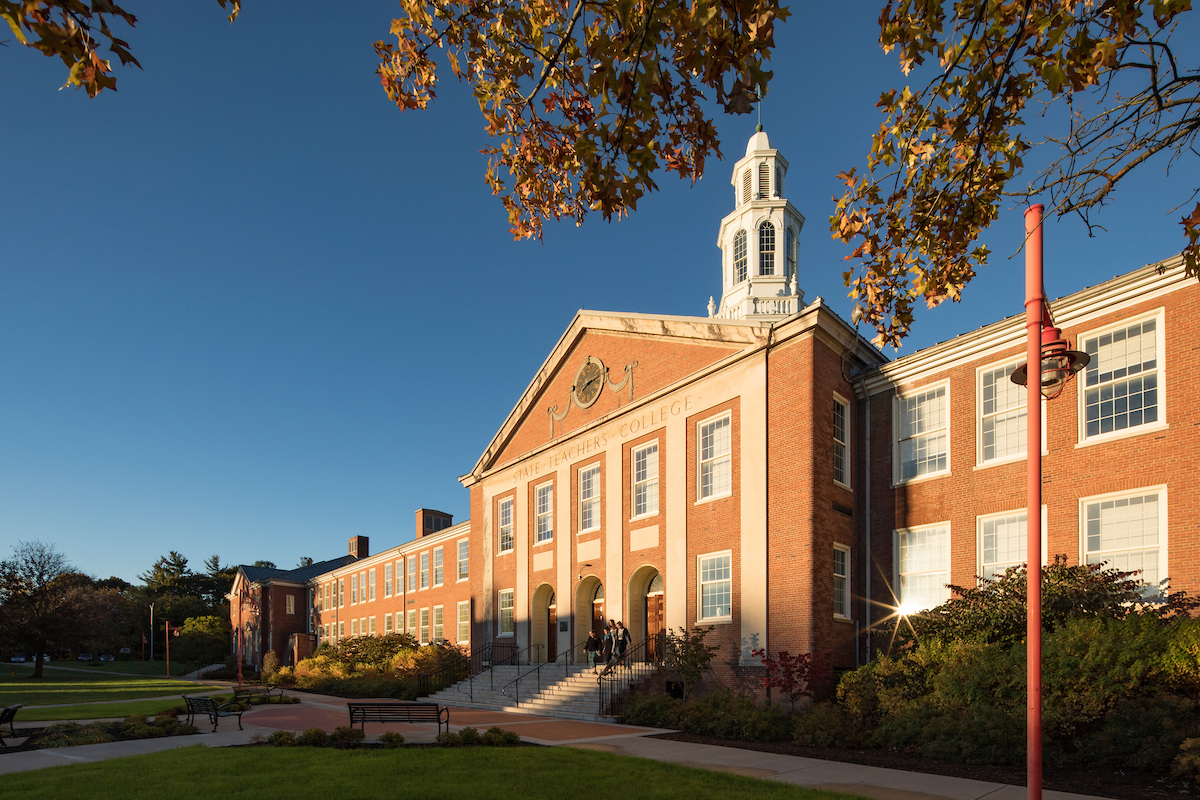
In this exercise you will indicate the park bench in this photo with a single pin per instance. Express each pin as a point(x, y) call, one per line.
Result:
point(244, 695)
point(399, 712)
point(209, 708)
point(6, 718)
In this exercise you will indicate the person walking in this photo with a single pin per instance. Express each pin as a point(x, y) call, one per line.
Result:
point(620, 641)
point(590, 647)
point(607, 648)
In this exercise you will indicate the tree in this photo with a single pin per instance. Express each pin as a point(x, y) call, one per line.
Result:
point(37, 607)
point(951, 151)
point(689, 655)
point(67, 29)
point(203, 640)
point(265, 564)
point(305, 561)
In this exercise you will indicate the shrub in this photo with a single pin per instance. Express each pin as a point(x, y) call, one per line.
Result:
point(344, 736)
point(497, 737)
point(720, 713)
point(135, 719)
point(469, 736)
point(391, 739)
point(1142, 733)
point(282, 739)
point(284, 676)
point(270, 664)
point(794, 676)
point(651, 710)
point(689, 655)
point(313, 737)
point(1187, 762)
point(978, 735)
point(826, 725)
point(449, 739)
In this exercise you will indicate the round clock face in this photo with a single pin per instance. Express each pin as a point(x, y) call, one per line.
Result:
point(588, 382)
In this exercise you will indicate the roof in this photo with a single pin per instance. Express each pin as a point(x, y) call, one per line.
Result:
point(298, 575)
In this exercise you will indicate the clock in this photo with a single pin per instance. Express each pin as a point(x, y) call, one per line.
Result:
point(588, 382)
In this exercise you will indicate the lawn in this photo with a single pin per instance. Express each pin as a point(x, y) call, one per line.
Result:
point(529, 773)
point(129, 667)
point(64, 686)
point(98, 710)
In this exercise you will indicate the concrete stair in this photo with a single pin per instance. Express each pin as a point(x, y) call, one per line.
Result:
point(565, 692)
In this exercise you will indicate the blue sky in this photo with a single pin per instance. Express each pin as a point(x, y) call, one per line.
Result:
point(248, 308)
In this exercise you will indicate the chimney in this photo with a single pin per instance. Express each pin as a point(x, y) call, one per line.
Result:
point(359, 547)
point(430, 521)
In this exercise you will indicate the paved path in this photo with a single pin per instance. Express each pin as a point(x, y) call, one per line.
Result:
point(321, 711)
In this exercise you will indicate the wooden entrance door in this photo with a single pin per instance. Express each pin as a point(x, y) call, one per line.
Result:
point(655, 618)
point(551, 629)
point(598, 621)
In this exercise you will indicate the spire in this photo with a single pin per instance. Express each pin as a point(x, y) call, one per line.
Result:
point(758, 239)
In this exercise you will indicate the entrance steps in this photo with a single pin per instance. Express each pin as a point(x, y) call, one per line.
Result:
point(567, 692)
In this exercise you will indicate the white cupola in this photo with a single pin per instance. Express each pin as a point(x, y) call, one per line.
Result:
point(758, 240)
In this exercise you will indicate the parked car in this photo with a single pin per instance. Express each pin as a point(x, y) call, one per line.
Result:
point(124, 651)
point(107, 657)
point(18, 658)
point(84, 657)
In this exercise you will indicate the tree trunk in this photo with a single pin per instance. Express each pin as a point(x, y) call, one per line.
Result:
point(37, 660)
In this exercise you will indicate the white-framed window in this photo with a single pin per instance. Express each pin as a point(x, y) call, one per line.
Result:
point(438, 567)
point(841, 441)
point(424, 635)
point(504, 517)
point(922, 567)
point(341, 592)
point(464, 559)
point(841, 581)
point(923, 433)
point(1123, 384)
point(505, 597)
point(387, 579)
point(1002, 414)
point(464, 620)
point(716, 466)
point(544, 512)
point(439, 628)
point(353, 590)
point(589, 498)
point(412, 622)
point(1004, 541)
point(341, 630)
point(371, 584)
point(362, 626)
point(328, 632)
point(290, 603)
point(425, 570)
point(740, 261)
point(766, 248)
point(645, 480)
point(387, 623)
point(320, 597)
point(354, 627)
point(372, 621)
point(1128, 531)
point(715, 586)
point(412, 573)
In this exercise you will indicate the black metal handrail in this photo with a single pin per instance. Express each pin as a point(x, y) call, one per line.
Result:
point(497, 654)
point(438, 679)
point(516, 695)
point(615, 680)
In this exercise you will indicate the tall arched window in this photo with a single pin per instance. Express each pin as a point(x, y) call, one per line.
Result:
point(789, 250)
point(766, 249)
point(746, 186)
point(739, 257)
point(764, 180)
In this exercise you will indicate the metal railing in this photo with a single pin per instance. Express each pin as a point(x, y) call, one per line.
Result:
point(492, 655)
point(626, 670)
point(516, 684)
point(450, 674)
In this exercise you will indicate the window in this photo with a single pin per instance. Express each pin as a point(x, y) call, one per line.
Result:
point(1121, 384)
point(362, 626)
point(329, 586)
point(387, 623)
point(589, 498)
point(1002, 414)
point(764, 180)
point(354, 627)
point(424, 636)
point(924, 434)
point(746, 186)
point(290, 603)
point(505, 516)
point(341, 630)
point(362, 586)
point(841, 441)
point(506, 612)
point(645, 480)
point(425, 570)
point(841, 581)
point(789, 250)
point(1003, 543)
point(439, 571)
point(544, 512)
point(372, 626)
point(463, 559)
point(412, 621)
point(412, 573)
point(464, 620)
point(740, 273)
point(353, 589)
point(716, 586)
point(371, 585)
point(715, 465)
point(387, 579)
point(320, 597)
point(438, 624)
point(766, 249)
point(1129, 533)
point(341, 592)
point(923, 556)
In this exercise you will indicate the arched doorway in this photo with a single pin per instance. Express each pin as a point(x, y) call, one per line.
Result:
point(544, 623)
point(589, 612)
point(647, 616)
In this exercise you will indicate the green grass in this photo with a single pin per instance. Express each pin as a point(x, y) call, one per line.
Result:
point(97, 710)
point(129, 667)
point(62, 686)
point(529, 773)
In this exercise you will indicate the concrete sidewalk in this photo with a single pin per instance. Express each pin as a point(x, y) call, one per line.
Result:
point(325, 712)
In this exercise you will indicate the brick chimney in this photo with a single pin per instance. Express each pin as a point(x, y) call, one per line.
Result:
point(359, 547)
point(430, 521)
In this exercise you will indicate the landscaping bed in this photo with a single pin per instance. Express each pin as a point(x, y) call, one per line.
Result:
point(71, 734)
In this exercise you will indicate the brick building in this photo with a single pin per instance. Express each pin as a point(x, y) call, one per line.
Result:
point(767, 471)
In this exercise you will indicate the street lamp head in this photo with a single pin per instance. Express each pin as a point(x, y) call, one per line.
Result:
point(1059, 364)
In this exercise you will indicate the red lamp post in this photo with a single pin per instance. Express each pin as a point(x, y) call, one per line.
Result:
point(1057, 364)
